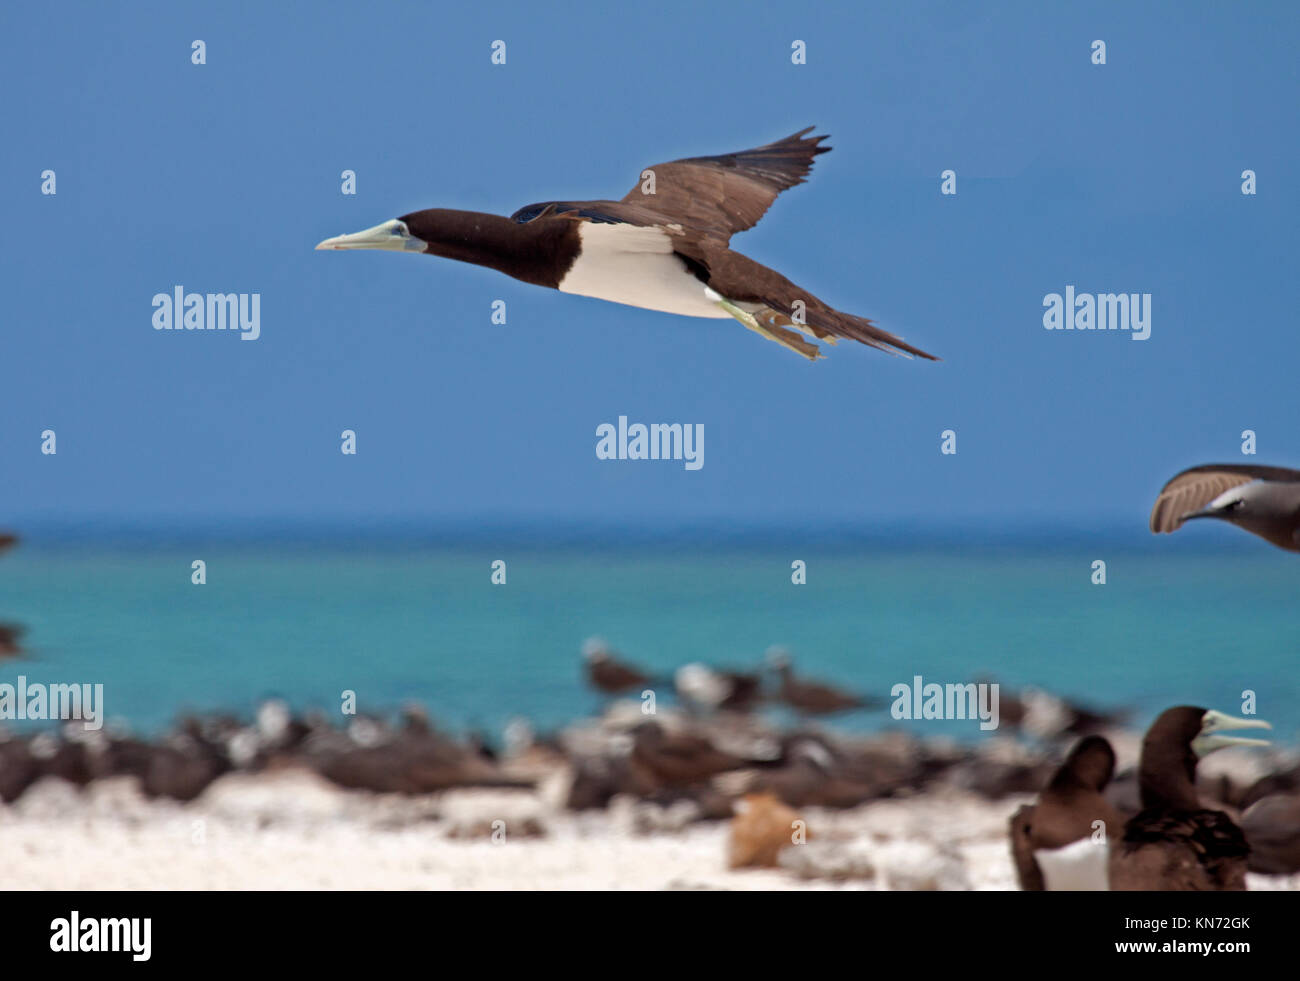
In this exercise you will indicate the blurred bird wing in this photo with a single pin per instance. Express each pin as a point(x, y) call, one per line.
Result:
point(1193, 489)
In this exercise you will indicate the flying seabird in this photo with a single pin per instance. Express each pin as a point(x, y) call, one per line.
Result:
point(811, 697)
point(1054, 842)
point(1175, 843)
point(663, 246)
point(606, 673)
point(1264, 501)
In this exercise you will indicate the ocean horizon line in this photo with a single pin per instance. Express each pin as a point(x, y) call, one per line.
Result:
point(599, 535)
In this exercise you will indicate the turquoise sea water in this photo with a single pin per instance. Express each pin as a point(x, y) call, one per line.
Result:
point(395, 623)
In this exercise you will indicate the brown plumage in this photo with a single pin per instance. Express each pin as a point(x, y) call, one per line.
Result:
point(1272, 827)
point(607, 674)
point(1066, 812)
point(677, 759)
point(1175, 843)
point(681, 264)
point(809, 696)
point(729, 192)
point(1267, 504)
point(814, 772)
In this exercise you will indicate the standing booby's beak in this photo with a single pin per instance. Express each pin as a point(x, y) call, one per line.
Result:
point(391, 236)
point(1215, 724)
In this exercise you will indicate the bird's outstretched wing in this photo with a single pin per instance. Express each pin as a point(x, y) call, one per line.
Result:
point(730, 192)
point(1193, 489)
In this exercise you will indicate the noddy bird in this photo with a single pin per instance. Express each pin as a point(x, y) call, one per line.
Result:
point(609, 675)
point(1061, 842)
point(1264, 501)
point(1174, 843)
point(663, 246)
point(811, 697)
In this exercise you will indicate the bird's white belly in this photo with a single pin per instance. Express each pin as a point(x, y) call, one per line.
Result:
point(1078, 866)
point(637, 267)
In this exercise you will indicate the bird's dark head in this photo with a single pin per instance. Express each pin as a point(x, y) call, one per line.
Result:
point(1091, 763)
point(1176, 740)
point(467, 236)
point(1201, 730)
point(437, 231)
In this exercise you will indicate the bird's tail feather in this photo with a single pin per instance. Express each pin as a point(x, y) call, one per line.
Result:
point(829, 325)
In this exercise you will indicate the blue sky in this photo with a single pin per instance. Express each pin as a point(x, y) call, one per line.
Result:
point(222, 177)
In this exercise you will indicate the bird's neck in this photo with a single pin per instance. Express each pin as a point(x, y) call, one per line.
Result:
point(1167, 777)
point(532, 253)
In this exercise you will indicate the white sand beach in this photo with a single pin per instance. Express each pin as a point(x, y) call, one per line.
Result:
point(293, 830)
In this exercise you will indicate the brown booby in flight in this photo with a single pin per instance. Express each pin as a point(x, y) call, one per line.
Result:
point(663, 246)
point(1057, 843)
point(1264, 501)
point(1174, 843)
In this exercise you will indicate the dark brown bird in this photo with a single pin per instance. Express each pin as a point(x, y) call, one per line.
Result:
point(680, 758)
point(7, 540)
point(813, 772)
point(808, 696)
point(608, 674)
point(9, 635)
point(1175, 843)
point(1264, 501)
point(1272, 827)
point(1061, 842)
point(663, 246)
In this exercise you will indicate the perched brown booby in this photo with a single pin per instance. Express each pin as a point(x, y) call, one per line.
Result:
point(1056, 843)
point(808, 696)
point(606, 673)
point(663, 246)
point(1264, 501)
point(1174, 843)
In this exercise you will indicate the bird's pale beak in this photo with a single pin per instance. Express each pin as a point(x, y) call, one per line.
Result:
point(1214, 725)
point(391, 236)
